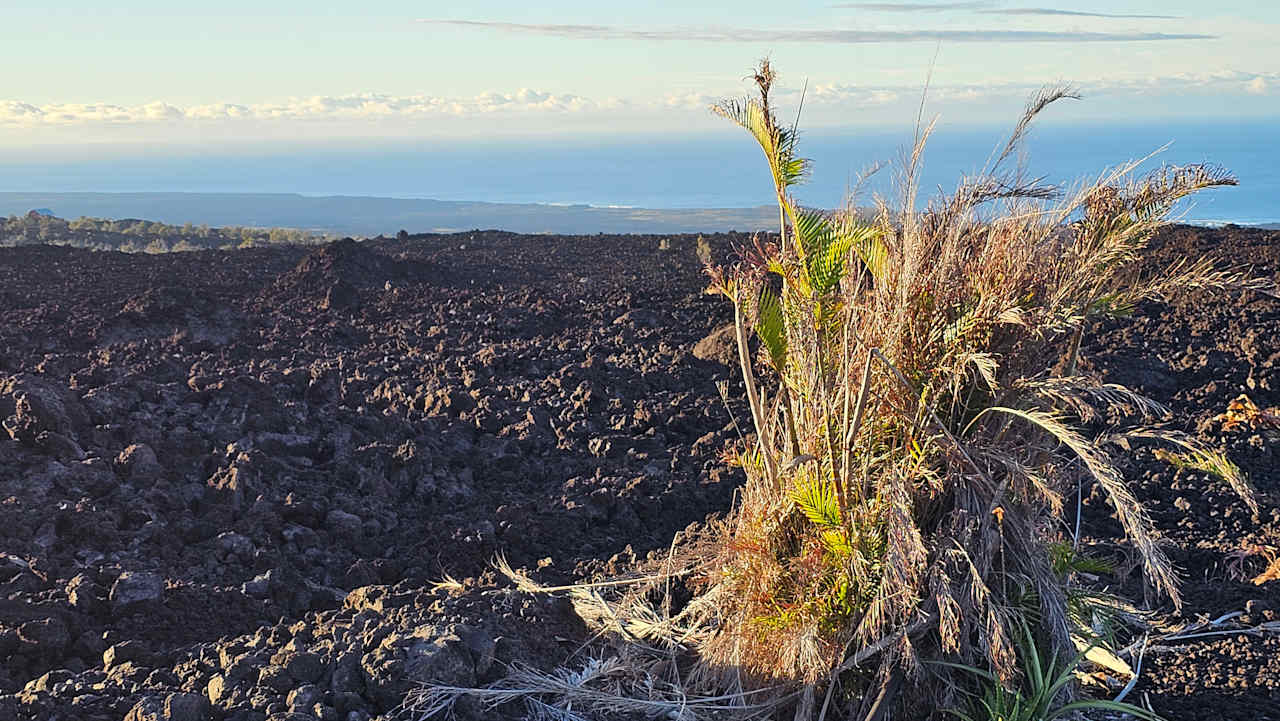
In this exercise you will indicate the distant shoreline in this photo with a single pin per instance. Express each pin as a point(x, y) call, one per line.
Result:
point(372, 215)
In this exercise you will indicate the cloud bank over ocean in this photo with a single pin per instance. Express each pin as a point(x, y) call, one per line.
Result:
point(363, 105)
point(380, 106)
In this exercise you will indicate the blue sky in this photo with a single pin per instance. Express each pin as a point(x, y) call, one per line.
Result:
point(147, 71)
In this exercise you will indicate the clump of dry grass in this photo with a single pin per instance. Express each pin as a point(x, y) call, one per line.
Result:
point(920, 422)
point(609, 687)
point(919, 416)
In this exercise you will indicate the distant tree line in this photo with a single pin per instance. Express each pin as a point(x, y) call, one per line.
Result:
point(144, 236)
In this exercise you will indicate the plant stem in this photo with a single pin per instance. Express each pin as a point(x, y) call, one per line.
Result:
point(827, 417)
point(782, 222)
point(884, 697)
point(748, 379)
point(788, 418)
point(859, 409)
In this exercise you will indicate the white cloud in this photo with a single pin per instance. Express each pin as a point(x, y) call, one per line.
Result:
point(865, 96)
point(1224, 82)
point(366, 106)
point(382, 110)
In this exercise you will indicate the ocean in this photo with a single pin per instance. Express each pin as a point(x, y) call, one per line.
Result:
point(712, 170)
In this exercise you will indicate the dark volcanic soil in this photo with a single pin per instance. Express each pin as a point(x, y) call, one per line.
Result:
point(1196, 355)
point(230, 482)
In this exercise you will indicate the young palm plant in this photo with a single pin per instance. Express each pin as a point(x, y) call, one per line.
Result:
point(919, 421)
point(919, 417)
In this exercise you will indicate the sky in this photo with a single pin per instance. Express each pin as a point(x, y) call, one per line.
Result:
point(84, 74)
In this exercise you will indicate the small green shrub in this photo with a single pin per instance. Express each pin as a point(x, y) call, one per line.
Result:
point(1039, 698)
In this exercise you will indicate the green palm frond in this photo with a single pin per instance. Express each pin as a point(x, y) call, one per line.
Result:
point(778, 144)
point(817, 500)
point(791, 170)
point(867, 244)
point(961, 327)
point(819, 248)
point(751, 116)
point(771, 327)
point(1066, 559)
point(872, 542)
point(837, 543)
point(825, 244)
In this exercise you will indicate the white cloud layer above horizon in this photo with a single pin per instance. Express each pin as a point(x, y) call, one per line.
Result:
point(530, 102)
point(320, 107)
point(157, 72)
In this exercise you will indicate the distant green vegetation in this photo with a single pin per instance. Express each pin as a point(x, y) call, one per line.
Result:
point(131, 235)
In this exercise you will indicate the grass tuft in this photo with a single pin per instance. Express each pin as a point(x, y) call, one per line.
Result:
point(919, 417)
